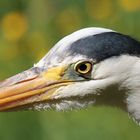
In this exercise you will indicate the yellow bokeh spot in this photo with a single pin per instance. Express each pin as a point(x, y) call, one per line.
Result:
point(68, 20)
point(14, 25)
point(99, 10)
point(130, 5)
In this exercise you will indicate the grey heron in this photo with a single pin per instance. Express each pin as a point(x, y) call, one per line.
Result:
point(90, 66)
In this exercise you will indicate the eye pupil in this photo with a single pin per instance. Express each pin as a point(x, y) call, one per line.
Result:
point(83, 67)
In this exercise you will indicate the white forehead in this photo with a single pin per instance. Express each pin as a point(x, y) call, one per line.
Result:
point(60, 49)
point(82, 34)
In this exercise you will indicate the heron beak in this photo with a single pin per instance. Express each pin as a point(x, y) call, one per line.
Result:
point(27, 92)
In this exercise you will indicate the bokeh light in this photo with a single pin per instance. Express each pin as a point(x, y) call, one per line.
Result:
point(100, 10)
point(14, 25)
point(130, 5)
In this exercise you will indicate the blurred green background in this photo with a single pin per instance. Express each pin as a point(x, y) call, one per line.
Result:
point(28, 29)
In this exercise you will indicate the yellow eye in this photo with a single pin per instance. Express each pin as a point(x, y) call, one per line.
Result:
point(83, 67)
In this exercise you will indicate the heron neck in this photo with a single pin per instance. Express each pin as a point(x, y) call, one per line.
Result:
point(133, 94)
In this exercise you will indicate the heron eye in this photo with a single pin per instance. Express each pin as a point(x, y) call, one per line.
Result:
point(83, 67)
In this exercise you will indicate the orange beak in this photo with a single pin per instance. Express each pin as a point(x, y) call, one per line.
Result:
point(40, 88)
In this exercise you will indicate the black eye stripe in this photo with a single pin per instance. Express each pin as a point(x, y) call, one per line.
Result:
point(105, 45)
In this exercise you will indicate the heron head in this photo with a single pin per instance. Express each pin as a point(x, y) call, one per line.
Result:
point(90, 66)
